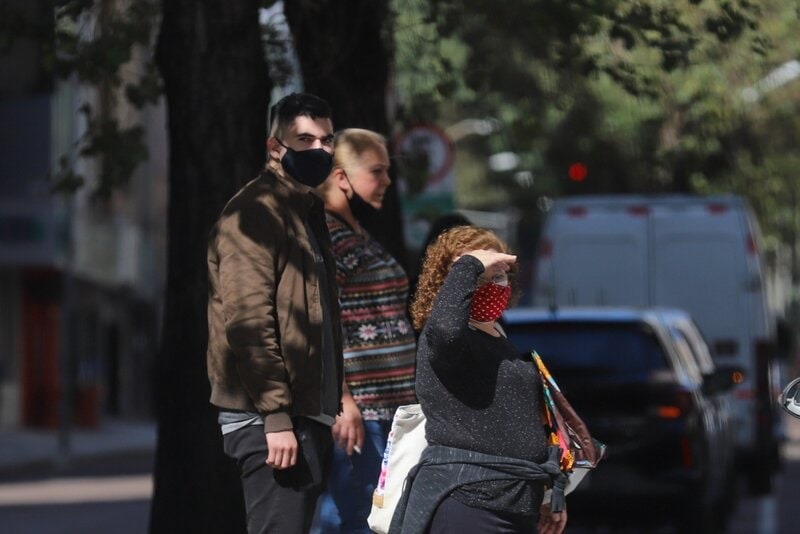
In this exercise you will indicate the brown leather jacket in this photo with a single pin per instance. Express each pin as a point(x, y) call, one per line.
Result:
point(264, 311)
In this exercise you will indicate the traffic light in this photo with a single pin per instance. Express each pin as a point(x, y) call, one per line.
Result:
point(577, 172)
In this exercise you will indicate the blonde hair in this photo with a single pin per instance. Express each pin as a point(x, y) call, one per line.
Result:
point(350, 146)
point(439, 258)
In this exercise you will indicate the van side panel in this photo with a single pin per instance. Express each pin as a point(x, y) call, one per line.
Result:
point(703, 274)
point(595, 257)
point(612, 271)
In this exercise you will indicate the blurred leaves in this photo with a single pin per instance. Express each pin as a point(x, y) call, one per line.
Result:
point(93, 42)
point(122, 149)
point(646, 93)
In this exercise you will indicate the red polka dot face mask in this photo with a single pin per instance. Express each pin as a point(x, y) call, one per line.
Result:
point(489, 302)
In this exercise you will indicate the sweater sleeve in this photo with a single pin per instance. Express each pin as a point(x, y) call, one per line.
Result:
point(448, 323)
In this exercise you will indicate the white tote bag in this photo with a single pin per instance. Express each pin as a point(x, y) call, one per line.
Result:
point(403, 449)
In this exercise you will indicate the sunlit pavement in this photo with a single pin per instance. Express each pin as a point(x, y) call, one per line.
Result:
point(77, 490)
point(101, 494)
point(103, 485)
point(775, 513)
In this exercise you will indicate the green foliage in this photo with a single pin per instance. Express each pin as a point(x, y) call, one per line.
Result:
point(93, 42)
point(122, 149)
point(97, 56)
point(647, 93)
point(760, 156)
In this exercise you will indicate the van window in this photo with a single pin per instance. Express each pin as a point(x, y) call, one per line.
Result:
point(699, 346)
point(608, 351)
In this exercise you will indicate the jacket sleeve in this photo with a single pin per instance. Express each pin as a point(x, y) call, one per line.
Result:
point(248, 244)
point(448, 322)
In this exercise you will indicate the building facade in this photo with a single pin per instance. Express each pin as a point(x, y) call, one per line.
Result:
point(81, 278)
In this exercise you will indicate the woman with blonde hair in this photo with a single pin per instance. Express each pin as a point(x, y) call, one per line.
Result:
point(379, 343)
point(487, 462)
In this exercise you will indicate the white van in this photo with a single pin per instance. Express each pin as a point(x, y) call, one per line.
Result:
point(700, 254)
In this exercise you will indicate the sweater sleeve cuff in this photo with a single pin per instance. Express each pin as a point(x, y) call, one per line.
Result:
point(471, 261)
point(277, 422)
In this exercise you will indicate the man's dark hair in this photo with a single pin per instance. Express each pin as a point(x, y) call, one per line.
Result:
point(283, 113)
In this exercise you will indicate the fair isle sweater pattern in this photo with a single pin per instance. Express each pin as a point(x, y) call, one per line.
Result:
point(379, 342)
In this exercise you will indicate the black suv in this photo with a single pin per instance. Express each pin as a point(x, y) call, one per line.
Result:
point(645, 384)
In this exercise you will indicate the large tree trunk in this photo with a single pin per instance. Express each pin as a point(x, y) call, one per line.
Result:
point(345, 58)
point(215, 76)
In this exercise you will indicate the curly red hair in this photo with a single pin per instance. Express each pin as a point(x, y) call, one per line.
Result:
point(440, 256)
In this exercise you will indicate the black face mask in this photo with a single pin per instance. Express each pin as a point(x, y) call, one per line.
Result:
point(364, 212)
point(309, 167)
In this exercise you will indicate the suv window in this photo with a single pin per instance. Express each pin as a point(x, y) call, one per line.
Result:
point(611, 350)
point(698, 345)
point(686, 355)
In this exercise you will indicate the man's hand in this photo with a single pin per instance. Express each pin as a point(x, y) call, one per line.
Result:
point(550, 523)
point(348, 430)
point(281, 449)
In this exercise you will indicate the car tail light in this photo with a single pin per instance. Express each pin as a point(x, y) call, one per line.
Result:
point(717, 209)
point(751, 245)
point(577, 211)
point(669, 412)
point(764, 406)
point(639, 211)
point(687, 456)
point(678, 405)
point(737, 377)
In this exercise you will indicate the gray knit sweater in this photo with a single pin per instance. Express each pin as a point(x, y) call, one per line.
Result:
point(479, 394)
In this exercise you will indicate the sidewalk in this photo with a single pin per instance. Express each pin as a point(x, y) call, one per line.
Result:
point(32, 451)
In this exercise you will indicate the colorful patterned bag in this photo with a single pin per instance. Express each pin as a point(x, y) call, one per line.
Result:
point(579, 450)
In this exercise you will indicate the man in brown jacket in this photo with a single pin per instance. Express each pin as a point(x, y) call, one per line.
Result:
point(274, 348)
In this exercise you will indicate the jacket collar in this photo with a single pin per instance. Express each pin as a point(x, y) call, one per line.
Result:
point(308, 196)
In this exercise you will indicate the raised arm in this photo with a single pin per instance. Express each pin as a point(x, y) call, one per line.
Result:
point(448, 322)
point(449, 319)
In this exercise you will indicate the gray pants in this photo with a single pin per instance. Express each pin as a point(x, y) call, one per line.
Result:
point(281, 501)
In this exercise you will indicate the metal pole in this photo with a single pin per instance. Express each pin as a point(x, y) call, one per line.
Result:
point(65, 346)
point(793, 241)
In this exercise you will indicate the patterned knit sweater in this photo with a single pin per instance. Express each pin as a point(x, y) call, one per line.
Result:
point(379, 344)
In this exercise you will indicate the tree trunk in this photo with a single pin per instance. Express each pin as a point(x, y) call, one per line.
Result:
point(216, 84)
point(345, 58)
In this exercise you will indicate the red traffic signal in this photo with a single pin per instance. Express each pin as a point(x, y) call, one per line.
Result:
point(577, 172)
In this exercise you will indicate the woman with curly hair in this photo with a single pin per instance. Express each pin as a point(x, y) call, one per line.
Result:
point(487, 462)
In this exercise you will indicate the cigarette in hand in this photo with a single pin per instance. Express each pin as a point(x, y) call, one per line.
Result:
point(357, 449)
